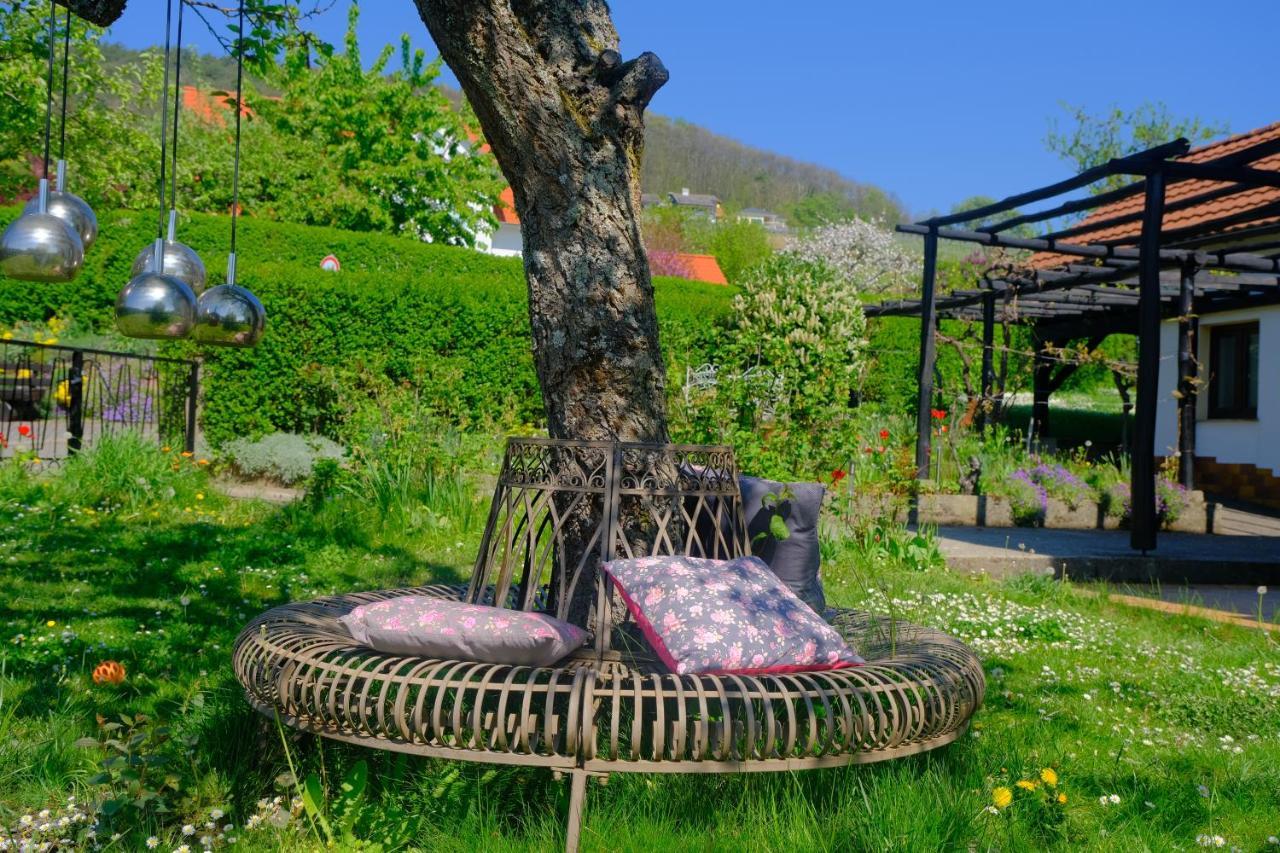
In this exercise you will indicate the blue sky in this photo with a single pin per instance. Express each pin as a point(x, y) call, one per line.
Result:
point(933, 101)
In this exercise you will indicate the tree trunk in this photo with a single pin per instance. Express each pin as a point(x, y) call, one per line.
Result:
point(565, 119)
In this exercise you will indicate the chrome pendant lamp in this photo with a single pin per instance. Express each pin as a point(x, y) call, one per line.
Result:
point(180, 260)
point(156, 303)
point(230, 315)
point(66, 205)
point(40, 245)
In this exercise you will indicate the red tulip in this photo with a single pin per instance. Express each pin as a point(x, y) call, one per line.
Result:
point(838, 475)
point(884, 435)
point(24, 430)
point(942, 428)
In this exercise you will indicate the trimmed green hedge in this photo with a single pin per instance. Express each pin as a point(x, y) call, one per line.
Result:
point(453, 322)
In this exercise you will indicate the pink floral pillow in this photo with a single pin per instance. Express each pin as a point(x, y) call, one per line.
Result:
point(451, 630)
point(726, 616)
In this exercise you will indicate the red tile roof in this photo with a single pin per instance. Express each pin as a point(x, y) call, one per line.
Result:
point(505, 209)
point(210, 107)
point(1199, 214)
point(702, 268)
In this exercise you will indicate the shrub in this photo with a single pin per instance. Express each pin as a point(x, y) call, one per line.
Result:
point(788, 366)
point(127, 471)
point(451, 322)
point(285, 457)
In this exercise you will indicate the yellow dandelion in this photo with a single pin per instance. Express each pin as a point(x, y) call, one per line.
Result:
point(1002, 797)
point(50, 624)
point(199, 496)
point(1062, 798)
point(186, 509)
point(1049, 776)
point(165, 449)
point(1026, 784)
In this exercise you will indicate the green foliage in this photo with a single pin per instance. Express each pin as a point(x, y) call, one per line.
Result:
point(452, 323)
point(1091, 140)
point(364, 149)
point(128, 472)
point(111, 146)
point(284, 457)
point(818, 209)
point(352, 819)
point(142, 770)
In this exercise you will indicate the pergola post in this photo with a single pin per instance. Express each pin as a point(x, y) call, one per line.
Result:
point(928, 354)
point(1142, 535)
point(1041, 388)
point(988, 358)
point(1188, 328)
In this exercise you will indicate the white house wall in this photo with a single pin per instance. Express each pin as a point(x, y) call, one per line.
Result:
point(1253, 442)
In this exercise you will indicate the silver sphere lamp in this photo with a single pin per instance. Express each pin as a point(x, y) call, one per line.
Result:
point(229, 315)
point(180, 260)
point(70, 208)
point(154, 304)
point(39, 246)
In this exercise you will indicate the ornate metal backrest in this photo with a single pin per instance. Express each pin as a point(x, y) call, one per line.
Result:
point(561, 508)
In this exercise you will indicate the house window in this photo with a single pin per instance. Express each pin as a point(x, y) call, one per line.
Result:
point(1233, 368)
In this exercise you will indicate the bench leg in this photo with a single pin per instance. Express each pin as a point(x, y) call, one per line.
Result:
point(577, 802)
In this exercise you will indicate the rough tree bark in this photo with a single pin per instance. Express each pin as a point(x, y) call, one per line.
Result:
point(565, 118)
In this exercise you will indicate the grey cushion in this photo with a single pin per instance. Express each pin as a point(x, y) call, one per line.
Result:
point(796, 559)
point(453, 630)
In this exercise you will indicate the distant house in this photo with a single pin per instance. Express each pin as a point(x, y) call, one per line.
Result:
point(771, 221)
point(699, 203)
point(506, 241)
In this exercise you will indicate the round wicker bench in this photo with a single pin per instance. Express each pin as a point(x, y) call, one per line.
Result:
point(610, 708)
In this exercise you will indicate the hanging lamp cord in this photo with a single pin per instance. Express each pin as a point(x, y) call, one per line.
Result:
point(239, 108)
point(164, 115)
point(177, 111)
point(48, 98)
point(66, 60)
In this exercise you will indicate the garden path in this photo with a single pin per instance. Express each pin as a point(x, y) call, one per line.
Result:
point(1181, 559)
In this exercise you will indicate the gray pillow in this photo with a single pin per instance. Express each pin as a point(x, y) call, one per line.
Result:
point(796, 560)
point(452, 630)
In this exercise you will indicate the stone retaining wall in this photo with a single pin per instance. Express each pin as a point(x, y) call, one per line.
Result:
point(991, 511)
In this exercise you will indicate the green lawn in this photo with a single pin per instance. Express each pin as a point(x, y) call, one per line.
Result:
point(1159, 729)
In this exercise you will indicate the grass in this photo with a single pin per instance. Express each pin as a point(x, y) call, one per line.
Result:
point(1177, 718)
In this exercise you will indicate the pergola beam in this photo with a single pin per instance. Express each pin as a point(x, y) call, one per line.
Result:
point(1131, 164)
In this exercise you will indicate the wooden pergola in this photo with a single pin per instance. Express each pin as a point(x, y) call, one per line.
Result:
point(1124, 268)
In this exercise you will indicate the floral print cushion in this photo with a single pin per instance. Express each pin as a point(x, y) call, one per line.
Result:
point(434, 628)
point(726, 616)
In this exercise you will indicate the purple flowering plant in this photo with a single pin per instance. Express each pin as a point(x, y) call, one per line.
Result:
point(1031, 487)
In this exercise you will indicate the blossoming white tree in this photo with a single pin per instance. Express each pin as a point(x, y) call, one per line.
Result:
point(865, 256)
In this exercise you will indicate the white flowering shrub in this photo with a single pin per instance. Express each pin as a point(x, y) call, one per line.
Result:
point(790, 362)
point(865, 256)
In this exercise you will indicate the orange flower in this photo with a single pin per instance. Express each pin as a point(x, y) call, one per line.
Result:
point(187, 454)
point(108, 672)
